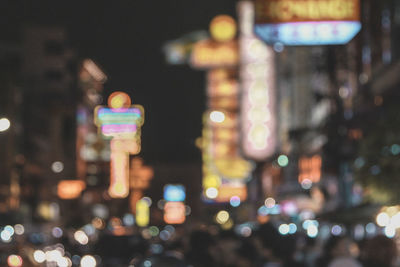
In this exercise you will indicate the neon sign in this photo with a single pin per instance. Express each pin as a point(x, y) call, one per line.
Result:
point(220, 145)
point(121, 122)
point(258, 125)
point(279, 11)
point(307, 22)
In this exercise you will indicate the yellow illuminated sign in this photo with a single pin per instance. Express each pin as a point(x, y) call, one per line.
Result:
point(234, 168)
point(226, 192)
point(142, 213)
point(207, 54)
point(280, 11)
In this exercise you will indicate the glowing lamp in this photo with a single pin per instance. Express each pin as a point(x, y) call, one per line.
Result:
point(223, 28)
point(174, 193)
point(119, 100)
point(174, 213)
point(70, 189)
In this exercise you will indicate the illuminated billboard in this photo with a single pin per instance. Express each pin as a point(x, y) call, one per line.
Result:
point(307, 22)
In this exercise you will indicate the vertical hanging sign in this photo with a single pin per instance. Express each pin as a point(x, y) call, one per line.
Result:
point(121, 123)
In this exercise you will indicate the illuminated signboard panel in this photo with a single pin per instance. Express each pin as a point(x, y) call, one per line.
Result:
point(210, 54)
point(70, 189)
point(307, 22)
point(227, 191)
point(309, 33)
point(142, 213)
point(258, 123)
point(120, 122)
point(174, 192)
point(174, 212)
point(310, 169)
point(281, 11)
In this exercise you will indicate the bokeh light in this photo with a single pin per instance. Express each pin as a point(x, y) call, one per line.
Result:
point(81, 237)
point(39, 256)
point(57, 232)
point(19, 229)
point(222, 217)
point(57, 166)
point(270, 202)
point(312, 231)
point(283, 229)
point(88, 261)
point(211, 192)
point(382, 219)
point(14, 261)
point(234, 201)
point(4, 124)
point(283, 160)
point(217, 116)
point(336, 230)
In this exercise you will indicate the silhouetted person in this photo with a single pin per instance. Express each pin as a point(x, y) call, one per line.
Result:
point(201, 243)
point(379, 251)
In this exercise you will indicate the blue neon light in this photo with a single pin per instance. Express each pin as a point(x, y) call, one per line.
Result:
point(309, 33)
point(174, 193)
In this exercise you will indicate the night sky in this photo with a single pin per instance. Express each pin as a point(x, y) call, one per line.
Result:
point(125, 38)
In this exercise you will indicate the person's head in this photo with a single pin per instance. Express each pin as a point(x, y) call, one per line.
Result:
point(201, 240)
point(339, 246)
point(380, 251)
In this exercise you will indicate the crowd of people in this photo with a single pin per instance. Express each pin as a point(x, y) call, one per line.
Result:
point(265, 247)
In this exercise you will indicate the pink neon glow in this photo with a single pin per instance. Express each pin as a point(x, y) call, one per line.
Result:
point(109, 129)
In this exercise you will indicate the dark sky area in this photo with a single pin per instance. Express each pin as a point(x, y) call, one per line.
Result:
point(125, 38)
